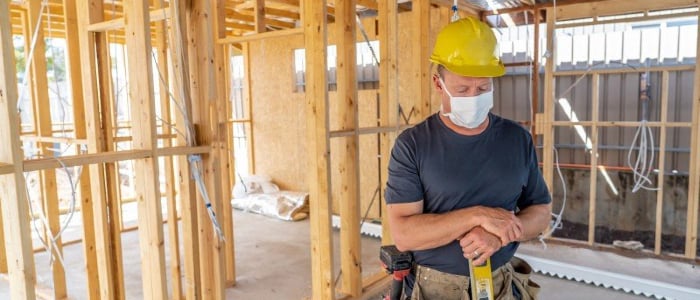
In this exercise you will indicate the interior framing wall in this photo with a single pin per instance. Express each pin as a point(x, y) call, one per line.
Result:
point(88, 63)
point(279, 111)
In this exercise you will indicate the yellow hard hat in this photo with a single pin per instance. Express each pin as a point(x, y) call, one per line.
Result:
point(467, 47)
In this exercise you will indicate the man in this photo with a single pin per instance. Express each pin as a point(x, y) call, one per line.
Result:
point(464, 183)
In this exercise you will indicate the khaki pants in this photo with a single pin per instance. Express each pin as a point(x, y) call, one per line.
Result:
point(431, 284)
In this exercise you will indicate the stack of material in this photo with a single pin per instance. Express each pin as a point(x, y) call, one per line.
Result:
point(259, 195)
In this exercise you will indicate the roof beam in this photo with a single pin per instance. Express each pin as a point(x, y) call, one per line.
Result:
point(607, 8)
point(259, 16)
point(282, 13)
point(237, 16)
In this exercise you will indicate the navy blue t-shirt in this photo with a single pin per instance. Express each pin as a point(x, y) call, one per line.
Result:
point(449, 171)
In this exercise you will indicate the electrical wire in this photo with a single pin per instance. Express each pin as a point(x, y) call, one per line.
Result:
point(30, 59)
point(556, 223)
point(642, 167)
point(52, 245)
point(195, 161)
point(644, 141)
point(364, 35)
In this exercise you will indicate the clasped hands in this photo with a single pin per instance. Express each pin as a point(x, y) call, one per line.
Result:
point(498, 227)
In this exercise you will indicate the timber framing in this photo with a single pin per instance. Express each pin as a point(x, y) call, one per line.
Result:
point(19, 257)
point(184, 50)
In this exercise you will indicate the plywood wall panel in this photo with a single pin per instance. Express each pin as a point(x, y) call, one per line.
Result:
point(279, 112)
point(278, 123)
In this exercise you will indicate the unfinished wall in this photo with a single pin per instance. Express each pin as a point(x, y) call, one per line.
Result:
point(278, 121)
point(625, 216)
point(279, 112)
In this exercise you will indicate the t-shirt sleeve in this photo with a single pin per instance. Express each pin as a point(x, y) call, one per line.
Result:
point(404, 184)
point(536, 191)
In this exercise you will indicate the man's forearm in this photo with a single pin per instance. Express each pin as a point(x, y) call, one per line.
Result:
point(427, 231)
point(535, 219)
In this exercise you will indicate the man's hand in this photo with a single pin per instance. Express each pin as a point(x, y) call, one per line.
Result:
point(502, 223)
point(478, 244)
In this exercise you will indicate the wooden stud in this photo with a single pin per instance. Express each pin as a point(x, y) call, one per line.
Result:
point(249, 17)
point(388, 97)
point(3, 252)
point(624, 124)
point(227, 152)
point(203, 63)
point(691, 236)
point(43, 124)
point(607, 8)
point(41, 139)
point(94, 46)
point(257, 36)
point(658, 229)
point(646, 18)
point(86, 204)
point(348, 154)
point(113, 202)
point(107, 157)
point(27, 47)
point(223, 144)
point(549, 102)
point(138, 45)
point(15, 210)
point(376, 283)
point(282, 13)
point(593, 194)
point(156, 15)
point(535, 83)
point(167, 162)
point(420, 16)
point(249, 99)
point(259, 14)
point(626, 70)
point(315, 40)
point(179, 68)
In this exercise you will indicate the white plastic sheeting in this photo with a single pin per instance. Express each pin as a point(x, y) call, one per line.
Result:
point(259, 195)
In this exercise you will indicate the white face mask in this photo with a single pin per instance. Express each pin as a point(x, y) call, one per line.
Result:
point(468, 112)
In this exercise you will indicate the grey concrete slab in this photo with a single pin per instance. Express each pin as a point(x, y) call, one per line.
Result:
point(273, 261)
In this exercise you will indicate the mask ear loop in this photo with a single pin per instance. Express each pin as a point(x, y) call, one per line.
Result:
point(444, 86)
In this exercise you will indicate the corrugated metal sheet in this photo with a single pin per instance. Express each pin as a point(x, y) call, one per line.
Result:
point(619, 101)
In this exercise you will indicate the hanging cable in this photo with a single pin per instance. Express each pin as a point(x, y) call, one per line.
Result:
point(51, 245)
point(195, 161)
point(364, 35)
point(643, 141)
point(30, 59)
point(556, 223)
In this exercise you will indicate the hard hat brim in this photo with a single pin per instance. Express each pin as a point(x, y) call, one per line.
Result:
point(491, 70)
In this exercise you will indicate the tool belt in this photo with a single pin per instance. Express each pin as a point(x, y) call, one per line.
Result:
point(510, 281)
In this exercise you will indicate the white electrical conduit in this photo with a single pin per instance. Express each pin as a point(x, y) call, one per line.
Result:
point(642, 167)
point(556, 223)
point(644, 141)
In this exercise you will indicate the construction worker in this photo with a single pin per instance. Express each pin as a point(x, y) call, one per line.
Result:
point(465, 183)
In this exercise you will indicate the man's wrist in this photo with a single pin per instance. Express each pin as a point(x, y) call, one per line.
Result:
point(474, 216)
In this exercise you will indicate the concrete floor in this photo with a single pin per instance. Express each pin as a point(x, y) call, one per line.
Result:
point(273, 262)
